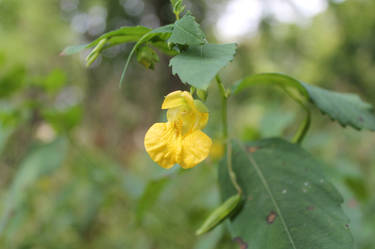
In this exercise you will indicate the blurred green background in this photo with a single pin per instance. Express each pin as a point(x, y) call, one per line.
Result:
point(73, 170)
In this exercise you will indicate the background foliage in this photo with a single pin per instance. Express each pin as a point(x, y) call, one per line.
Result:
point(74, 173)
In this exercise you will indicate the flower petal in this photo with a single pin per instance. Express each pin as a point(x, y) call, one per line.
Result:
point(163, 144)
point(195, 148)
point(177, 99)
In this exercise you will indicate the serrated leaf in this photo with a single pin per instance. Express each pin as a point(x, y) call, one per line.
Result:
point(161, 32)
point(347, 109)
point(289, 204)
point(199, 64)
point(121, 35)
point(187, 31)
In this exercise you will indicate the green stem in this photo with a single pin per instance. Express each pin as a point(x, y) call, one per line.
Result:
point(304, 127)
point(224, 114)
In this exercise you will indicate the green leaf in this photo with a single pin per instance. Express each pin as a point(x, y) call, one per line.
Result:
point(347, 109)
point(74, 49)
point(187, 31)
point(289, 204)
point(150, 196)
point(199, 64)
point(12, 80)
point(161, 33)
point(41, 161)
point(121, 35)
point(63, 120)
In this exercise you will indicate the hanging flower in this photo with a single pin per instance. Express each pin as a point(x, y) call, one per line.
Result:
point(180, 140)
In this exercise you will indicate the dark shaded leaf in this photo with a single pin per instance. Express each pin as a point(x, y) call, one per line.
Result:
point(289, 204)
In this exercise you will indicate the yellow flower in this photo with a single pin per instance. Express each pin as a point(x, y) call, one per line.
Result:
point(180, 140)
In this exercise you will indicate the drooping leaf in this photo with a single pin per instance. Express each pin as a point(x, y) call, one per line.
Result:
point(199, 64)
point(187, 31)
point(121, 35)
point(163, 32)
point(347, 109)
point(289, 204)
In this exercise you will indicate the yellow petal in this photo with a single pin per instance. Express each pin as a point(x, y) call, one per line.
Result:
point(177, 99)
point(195, 148)
point(163, 144)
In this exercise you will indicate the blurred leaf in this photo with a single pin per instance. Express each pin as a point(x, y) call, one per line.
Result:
point(274, 122)
point(187, 31)
point(150, 196)
point(42, 160)
point(147, 57)
point(358, 187)
point(75, 49)
point(210, 240)
point(121, 35)
point(199, 64)
point(55, 80)
point(347, 109)
point(161, 32)
point(12, 80)
point(288, 201)
point(63, 120)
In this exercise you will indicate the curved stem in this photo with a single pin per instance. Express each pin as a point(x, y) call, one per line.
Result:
point(304, 127)
point(224, 114)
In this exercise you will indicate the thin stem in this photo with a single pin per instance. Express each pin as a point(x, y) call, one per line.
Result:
point(224, 114)
point(304, 127)
point(231, 173)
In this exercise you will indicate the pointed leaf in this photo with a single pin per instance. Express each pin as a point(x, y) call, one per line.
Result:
point(289, 204)
point(199, 64)
point(347, 109)
point(187, 31)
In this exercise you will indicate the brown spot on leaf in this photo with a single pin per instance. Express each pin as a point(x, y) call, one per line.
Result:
point(310, 208)
point(250, 198)
point(361, 119)
point(243, 244)
point(271, 217)
point(347, 226)
point(252, 149)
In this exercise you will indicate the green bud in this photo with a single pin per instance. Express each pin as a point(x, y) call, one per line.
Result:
point(202, 94)
point(95, 52)
point(219, 214)
point(200, 106)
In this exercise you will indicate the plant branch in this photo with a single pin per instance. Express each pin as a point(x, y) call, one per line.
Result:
point(224, 114)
